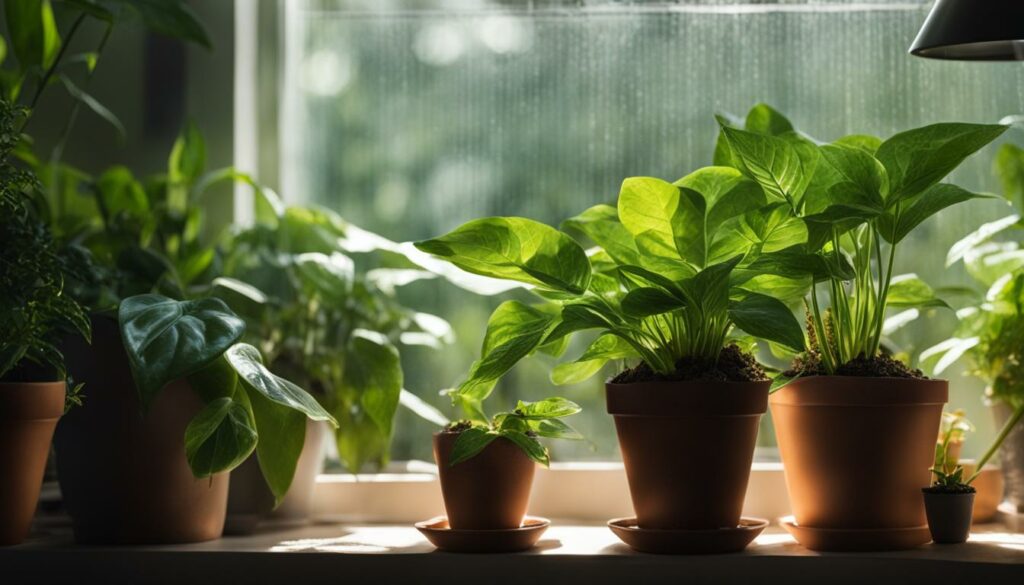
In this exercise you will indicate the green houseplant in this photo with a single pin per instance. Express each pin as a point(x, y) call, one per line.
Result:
point(302, 279)
point(35, 313)
point(991, 328)
point(859, 198)
point(949, 500)
point(675, 273)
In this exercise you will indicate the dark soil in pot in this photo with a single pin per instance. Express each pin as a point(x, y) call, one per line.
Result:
point(949, 513)
point(123, 474)
point(28, 414)
point(837, 434)
point(488, 491)
point(672, 485)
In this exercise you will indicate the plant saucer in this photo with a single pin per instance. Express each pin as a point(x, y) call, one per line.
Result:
point(501, 540)
point(687, 542)
point(856, 539)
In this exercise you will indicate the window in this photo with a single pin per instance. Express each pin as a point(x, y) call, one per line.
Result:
point(410, 117)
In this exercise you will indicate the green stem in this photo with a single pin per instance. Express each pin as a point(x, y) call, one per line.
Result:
point(1003, 433)
point(53, 68)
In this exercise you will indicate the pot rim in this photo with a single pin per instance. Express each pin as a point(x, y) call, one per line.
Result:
point(861, 391)
point(687, 398)
point(32, 400)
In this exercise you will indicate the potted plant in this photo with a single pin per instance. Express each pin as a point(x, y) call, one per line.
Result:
point(325, 314)
point(672, 279)
point(991, 327)
point(859, 198)
point(35, 313)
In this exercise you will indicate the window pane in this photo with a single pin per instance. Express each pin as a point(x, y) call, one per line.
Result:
point(411, 117)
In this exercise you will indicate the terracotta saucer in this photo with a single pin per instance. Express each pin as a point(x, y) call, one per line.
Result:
point(448, 539)
point(687, 542)
point(856, 539)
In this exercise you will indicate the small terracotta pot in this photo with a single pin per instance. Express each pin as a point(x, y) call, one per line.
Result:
point(949, 516)
point(123, 474)
point(250, 501)
point(672, 485)
point(856, 450)
point(490, 491)
point(28, 415)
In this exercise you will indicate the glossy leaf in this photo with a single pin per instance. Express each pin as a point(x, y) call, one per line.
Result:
point(1009, 166)
point(896, 226)
point(601, 224)
point(554, 428)
point(847, 176)
point(531, 446)
point(219, 438)
point(764, 119)
point(908, 290)
point(605, 348)
point(167, 339)
point(777, 164)
point(548, 408)
point(33, 31)
point(255, 377)
point(282, 434)
point(375, 375)
point(767, 318)
point(470, 443)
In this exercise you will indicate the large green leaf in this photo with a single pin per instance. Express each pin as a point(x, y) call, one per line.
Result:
point(865, 142)
point(917, 159)
point(374, 373)
point(727, 194)
point(783, 167)
point(530, 445)
point(649, 300)
point(514, 331)
point(653, 210)
point(33, 30)
point(846, 176)
point(256, 378)
point(764, 119)
point(329, 276)
point(282, 432)
point(908, 290)
point(762, 230)
point(767, 318)
point(601, 224)
point(895, 225)
point(605, 348)
point(219, 438)
point(1009, 166)
point(167, 339)
point(515, 248)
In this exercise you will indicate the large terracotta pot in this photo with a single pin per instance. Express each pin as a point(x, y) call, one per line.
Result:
point(123, 474)
point(687, 448)
point(250, 501)
point(487, 492)
point(28, 415)
point(857, 451)
point(1011, 456)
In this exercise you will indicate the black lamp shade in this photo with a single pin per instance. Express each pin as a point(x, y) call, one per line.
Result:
point(973, 30)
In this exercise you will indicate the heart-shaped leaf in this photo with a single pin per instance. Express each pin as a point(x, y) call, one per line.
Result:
point(219, 438)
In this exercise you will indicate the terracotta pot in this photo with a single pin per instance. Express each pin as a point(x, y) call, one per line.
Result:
point(250, 501)
point(123, 474)
point(28, 415)
point(490, 491)
point(857, 450)
point(988, 493)
point(1011, 456)
point(672, 485)
point(949, 516)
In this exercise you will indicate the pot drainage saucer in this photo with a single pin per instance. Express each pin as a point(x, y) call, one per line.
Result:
point(687, 542)
point(450, 539)
point(856, 539)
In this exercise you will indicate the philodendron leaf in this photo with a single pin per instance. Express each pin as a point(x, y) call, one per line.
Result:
point(908, 290)
point(601, 224)
point(656, 213)
point(547, 408)
point(470, 443)
point(515, 248)
point(219, 438)
point(167, 339)
point(782, 167)
point(373, 372)
point(256, 378)
point(917, 159)
point(847, 176)
point(282, 432)
point(530, 445)
point(763, 230)
point(895, 226)
point(767, 318)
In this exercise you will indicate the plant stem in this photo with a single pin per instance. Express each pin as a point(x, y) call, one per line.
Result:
point(1003, 433)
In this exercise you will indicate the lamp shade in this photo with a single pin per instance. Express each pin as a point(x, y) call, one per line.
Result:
point(973, 30)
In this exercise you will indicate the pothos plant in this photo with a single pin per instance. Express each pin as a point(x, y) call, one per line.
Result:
point(524, 426)
point(673, 275)
point(859, 198)
point(35, 309)
point(302, 279)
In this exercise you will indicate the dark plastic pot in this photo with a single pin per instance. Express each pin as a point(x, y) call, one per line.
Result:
point(857, 450)
point(949, 516)
point(123, 474)
point(674, 485)
point(28, 415)
point(490, 491)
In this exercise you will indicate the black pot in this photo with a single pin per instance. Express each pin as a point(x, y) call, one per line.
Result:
point(949, 516)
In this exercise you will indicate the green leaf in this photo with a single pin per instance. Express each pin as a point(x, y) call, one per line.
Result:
point(531, 446)
point(647, 207)
point(763, 230)
point(727, 192)
point(469, 444)
point(767, 318)
point(329, 276)
point(514, 331)
point(173, 18)
point(121, 195)
point(554, 429)
point(1009, 167)
point(708, 290)
point(601, 224)
point(917, 209)
point(782, 167)
point(979, 236)
point(763, 119)
point(375, 375)
point(256, 378)
point(243, 298)
point(779, 381)
point(868, 144)
point(94, 105)
point(908, 290)
point(33, 31)
point(794, 262)
point(219, 438)
point(282, 433)
point(918, 159)
point(515, 248)
point(847, 176)
point(646, 301)
point(605, 348)
point(942, 355)
point(188, 157)
point(167, 339)
point(556, 407)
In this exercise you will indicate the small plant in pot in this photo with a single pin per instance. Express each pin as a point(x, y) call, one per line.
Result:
point(35, 313)
point(859, 198)
point(673, 278)
point(949, 501)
